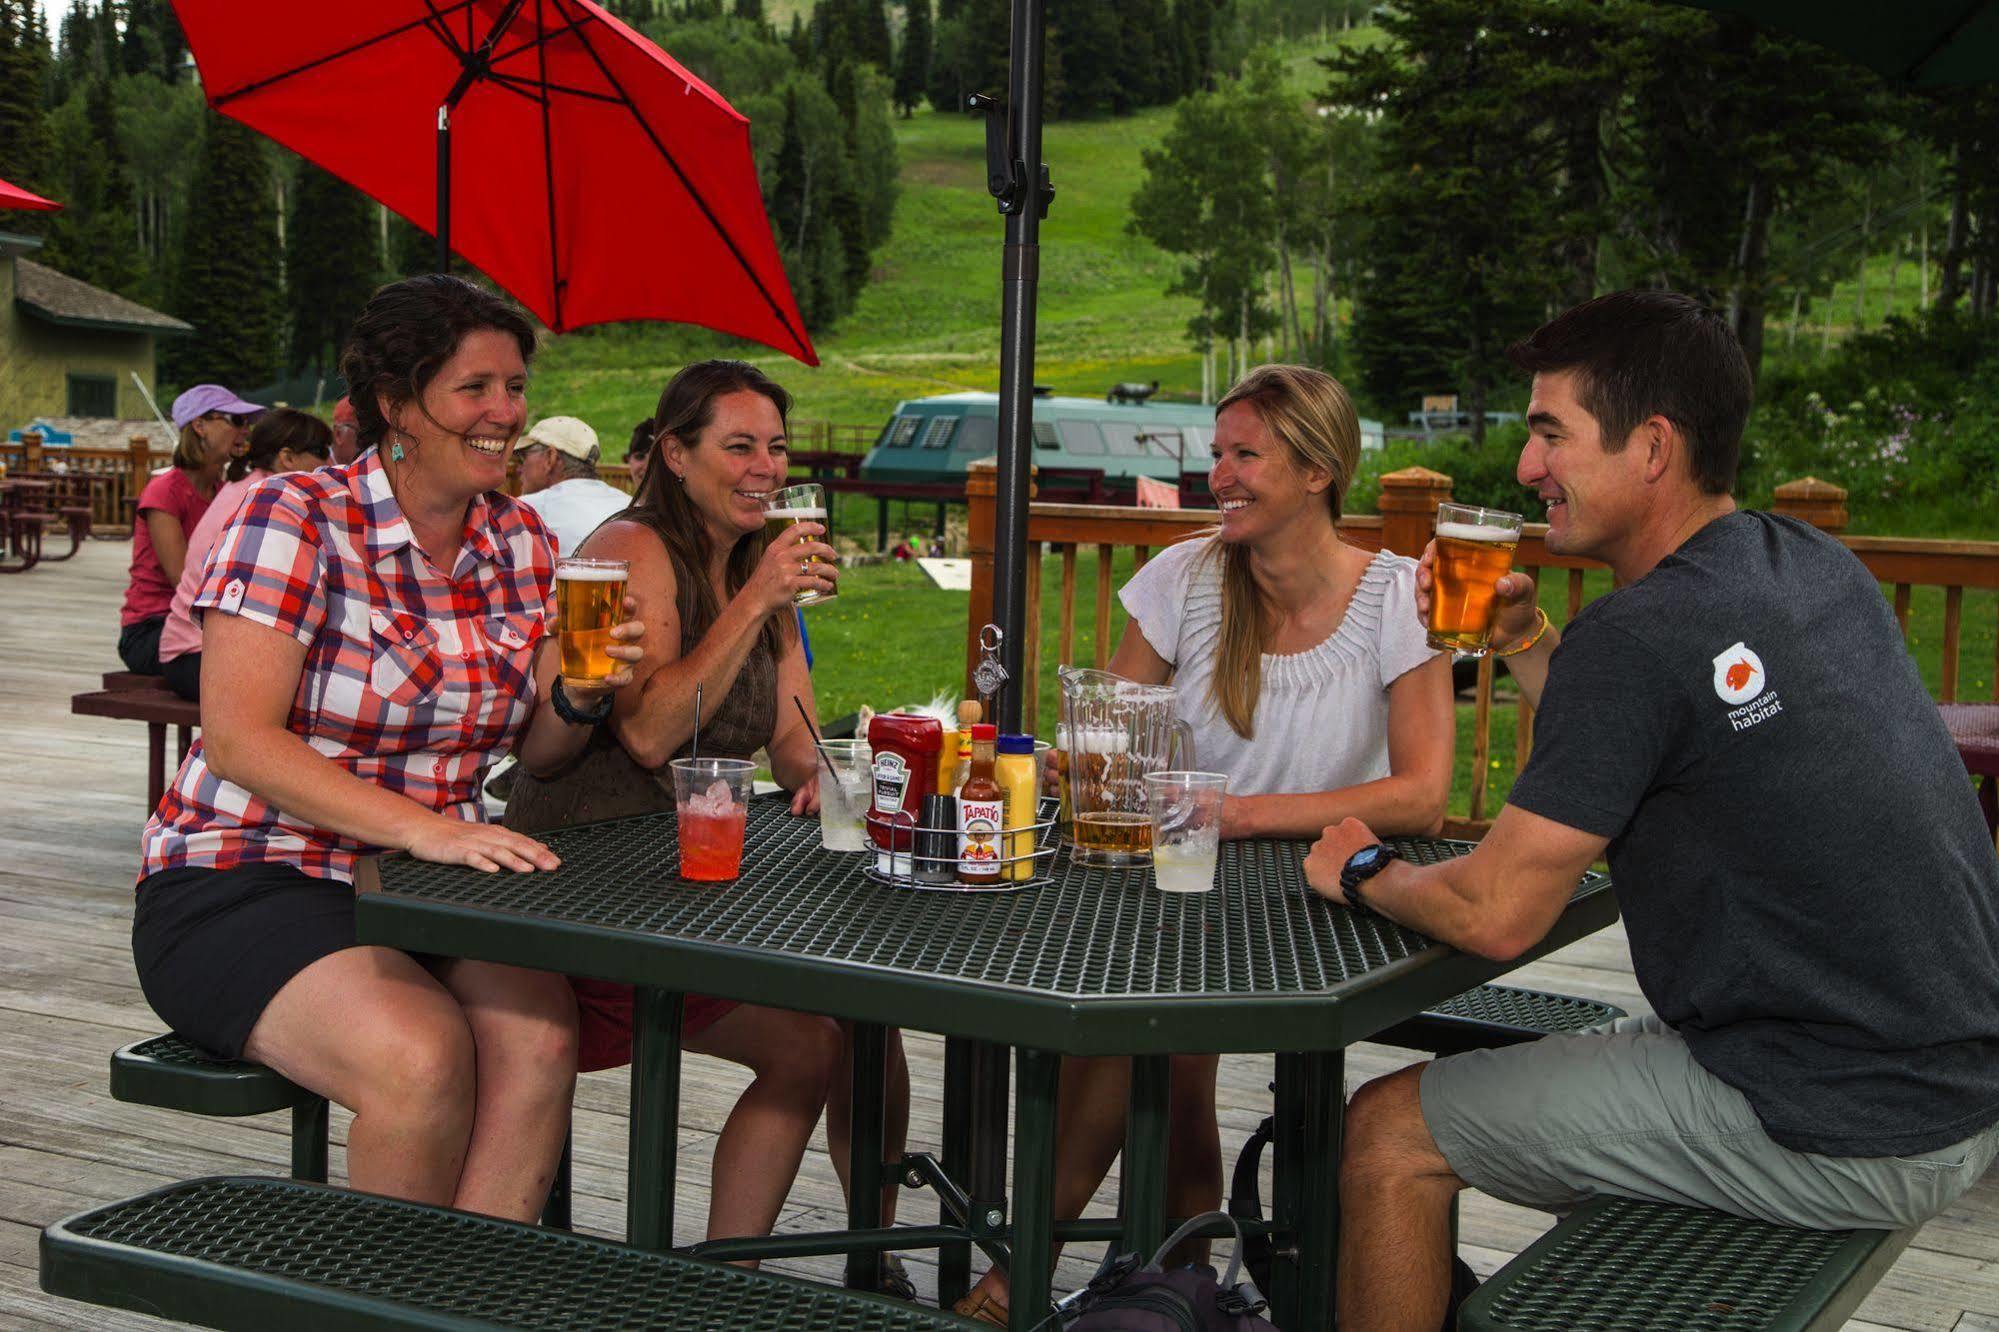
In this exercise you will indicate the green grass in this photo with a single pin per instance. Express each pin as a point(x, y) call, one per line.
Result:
point(892, 638)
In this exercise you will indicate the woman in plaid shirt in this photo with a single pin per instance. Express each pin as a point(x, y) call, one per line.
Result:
point(373, 641)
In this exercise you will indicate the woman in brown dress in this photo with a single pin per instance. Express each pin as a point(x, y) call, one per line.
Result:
point(722, 600)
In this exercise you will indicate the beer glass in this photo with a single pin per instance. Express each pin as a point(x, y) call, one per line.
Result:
point(789, 507)
point(1474, 551)
point(589, 599)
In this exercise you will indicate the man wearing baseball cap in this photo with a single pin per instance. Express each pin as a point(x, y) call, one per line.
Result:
point(558, 460)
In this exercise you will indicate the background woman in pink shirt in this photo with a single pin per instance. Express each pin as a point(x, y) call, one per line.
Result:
point(283, 440)
point(212, 422)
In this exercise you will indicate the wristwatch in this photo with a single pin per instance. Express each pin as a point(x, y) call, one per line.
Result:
point(1363, 865)
point(565, 707)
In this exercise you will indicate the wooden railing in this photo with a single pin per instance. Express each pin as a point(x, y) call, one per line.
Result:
point(114, 476)
point(1407, 507)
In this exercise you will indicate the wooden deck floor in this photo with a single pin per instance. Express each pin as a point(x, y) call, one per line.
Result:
point(71, 806)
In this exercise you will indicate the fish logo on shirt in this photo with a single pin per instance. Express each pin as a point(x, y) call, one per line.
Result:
point(1738, 675)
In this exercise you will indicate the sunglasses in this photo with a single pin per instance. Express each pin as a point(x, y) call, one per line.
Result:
point(237, 419)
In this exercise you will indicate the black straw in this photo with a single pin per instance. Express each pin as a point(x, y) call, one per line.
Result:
point(697, 721)
point(813, 731)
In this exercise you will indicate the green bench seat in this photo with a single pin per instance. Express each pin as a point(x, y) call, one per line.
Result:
point(173, 1074)
point(262, 1253)
point(1616, 1265)
point(1495, 1015)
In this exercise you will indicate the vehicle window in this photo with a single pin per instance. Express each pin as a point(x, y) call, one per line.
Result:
point(1122, 437)
point(1081, 438)
point(978, 436)
point(1161, 441)
point(1199, 439)
point(938, 436)
point(1044, 435)
point(902, 430)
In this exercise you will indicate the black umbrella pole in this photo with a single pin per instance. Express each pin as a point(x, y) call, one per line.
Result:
point(444, 189)
point(1020, 280)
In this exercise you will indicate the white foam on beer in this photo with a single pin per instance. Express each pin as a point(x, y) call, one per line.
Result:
point(797, 515)
point(1474, 532)
point(586, 574)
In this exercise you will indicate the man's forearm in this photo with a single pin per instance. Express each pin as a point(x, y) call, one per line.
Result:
point(1430, 900)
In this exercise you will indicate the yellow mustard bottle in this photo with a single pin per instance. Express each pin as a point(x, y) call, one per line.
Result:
point(1014, 771)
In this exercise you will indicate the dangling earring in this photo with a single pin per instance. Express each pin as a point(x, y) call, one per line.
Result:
point(395, 450)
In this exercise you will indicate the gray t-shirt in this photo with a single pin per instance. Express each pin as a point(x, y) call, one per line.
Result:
point(1805, 878)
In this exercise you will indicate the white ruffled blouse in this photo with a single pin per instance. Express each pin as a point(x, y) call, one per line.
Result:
point(1321, 719)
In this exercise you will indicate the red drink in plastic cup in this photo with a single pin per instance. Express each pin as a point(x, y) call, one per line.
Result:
point(711, 849)
point(711, 802)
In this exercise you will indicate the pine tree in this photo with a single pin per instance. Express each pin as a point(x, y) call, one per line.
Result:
point(330, 269)
point(912, 66)
point(24, 131)
point(750, 10)
point(870, 38)
point(95, 237)
point(228, 284)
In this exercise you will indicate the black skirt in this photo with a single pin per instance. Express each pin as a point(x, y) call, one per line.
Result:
point(213, 947)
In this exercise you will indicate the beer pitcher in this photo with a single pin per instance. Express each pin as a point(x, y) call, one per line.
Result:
point(1113, 733)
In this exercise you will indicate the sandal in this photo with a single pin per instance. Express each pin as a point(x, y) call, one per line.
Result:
point(895, 1281)
point(981, 1307)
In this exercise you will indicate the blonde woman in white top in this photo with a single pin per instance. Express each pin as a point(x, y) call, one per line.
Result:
point(1301, 667)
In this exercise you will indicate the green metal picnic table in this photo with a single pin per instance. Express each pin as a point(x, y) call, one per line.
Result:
point(1093, 963)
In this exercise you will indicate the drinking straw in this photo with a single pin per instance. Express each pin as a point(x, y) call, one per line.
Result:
point(813, 731)
point(697, 721)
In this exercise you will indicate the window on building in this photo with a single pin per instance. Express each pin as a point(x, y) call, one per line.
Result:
point(1122, 436)
point(1045, 436)
point(902, 430)
point(93, 395)
point(978, 436)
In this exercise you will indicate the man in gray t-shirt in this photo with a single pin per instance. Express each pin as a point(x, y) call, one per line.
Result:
point(1810, 897)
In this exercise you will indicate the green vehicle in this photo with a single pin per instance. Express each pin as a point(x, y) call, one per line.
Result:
point(1082, 446)
point(933, 440)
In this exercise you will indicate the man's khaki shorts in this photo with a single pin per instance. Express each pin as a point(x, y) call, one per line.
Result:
point(1625, 1109)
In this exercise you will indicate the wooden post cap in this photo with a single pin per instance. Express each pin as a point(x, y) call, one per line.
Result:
point(1810, 500)
point(1408, 507)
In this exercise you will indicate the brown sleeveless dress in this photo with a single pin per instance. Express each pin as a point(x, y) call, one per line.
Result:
point(606, 782)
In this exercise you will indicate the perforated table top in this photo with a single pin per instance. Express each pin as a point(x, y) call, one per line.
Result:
point(1095, 962)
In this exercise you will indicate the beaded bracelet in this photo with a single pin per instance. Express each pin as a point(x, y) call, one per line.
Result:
point(1532, 638)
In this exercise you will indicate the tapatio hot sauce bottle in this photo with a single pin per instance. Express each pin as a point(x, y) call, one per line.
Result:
point(981, 813)
point(905, 748)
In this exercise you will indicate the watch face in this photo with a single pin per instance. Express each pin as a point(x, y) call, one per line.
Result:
point(1365, 859)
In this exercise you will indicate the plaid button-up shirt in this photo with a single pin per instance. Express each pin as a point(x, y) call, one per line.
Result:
point(412, 680)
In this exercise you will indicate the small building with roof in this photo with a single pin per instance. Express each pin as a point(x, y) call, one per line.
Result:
point(67, 348)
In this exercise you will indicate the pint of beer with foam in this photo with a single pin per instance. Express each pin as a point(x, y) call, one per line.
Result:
point(1474, 551)
point(788, 507)
point(589, 599)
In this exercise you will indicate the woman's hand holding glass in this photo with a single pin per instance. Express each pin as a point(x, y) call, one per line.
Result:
point(795, 561)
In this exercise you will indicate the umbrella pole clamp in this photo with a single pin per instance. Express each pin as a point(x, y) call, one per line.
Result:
point(1006, 174)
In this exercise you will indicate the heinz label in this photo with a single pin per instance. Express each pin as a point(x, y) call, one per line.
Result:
point(891, 782)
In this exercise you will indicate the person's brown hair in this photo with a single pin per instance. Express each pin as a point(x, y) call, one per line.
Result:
point(406, 333)
point(1311, 415)
point(686, 408)
point(279, 429)
point(189, 449)
point(1640, 354)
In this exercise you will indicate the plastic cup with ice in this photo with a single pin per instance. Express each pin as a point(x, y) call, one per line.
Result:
point(711, 801)
point(843, 794)
point(1186, 810)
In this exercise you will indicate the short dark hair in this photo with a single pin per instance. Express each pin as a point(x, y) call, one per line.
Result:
point(279, 429)
point(1639, 354)
point(406, 334)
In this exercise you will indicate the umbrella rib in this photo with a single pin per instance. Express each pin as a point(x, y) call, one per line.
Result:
point(543, 39)
point(221, 99)
point(516, 81)
point(692, 193)
point(555, 282)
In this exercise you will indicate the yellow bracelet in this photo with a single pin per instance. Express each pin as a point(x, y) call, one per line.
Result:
point(1532, 638)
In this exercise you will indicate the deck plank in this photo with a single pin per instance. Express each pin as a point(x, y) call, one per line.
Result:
point(70, 816)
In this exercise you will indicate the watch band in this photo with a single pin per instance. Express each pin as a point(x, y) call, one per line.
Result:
point(575, 716)
point(1352, 878)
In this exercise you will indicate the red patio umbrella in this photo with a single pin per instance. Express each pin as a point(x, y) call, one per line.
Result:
point(13, 196)
point(564, 155)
